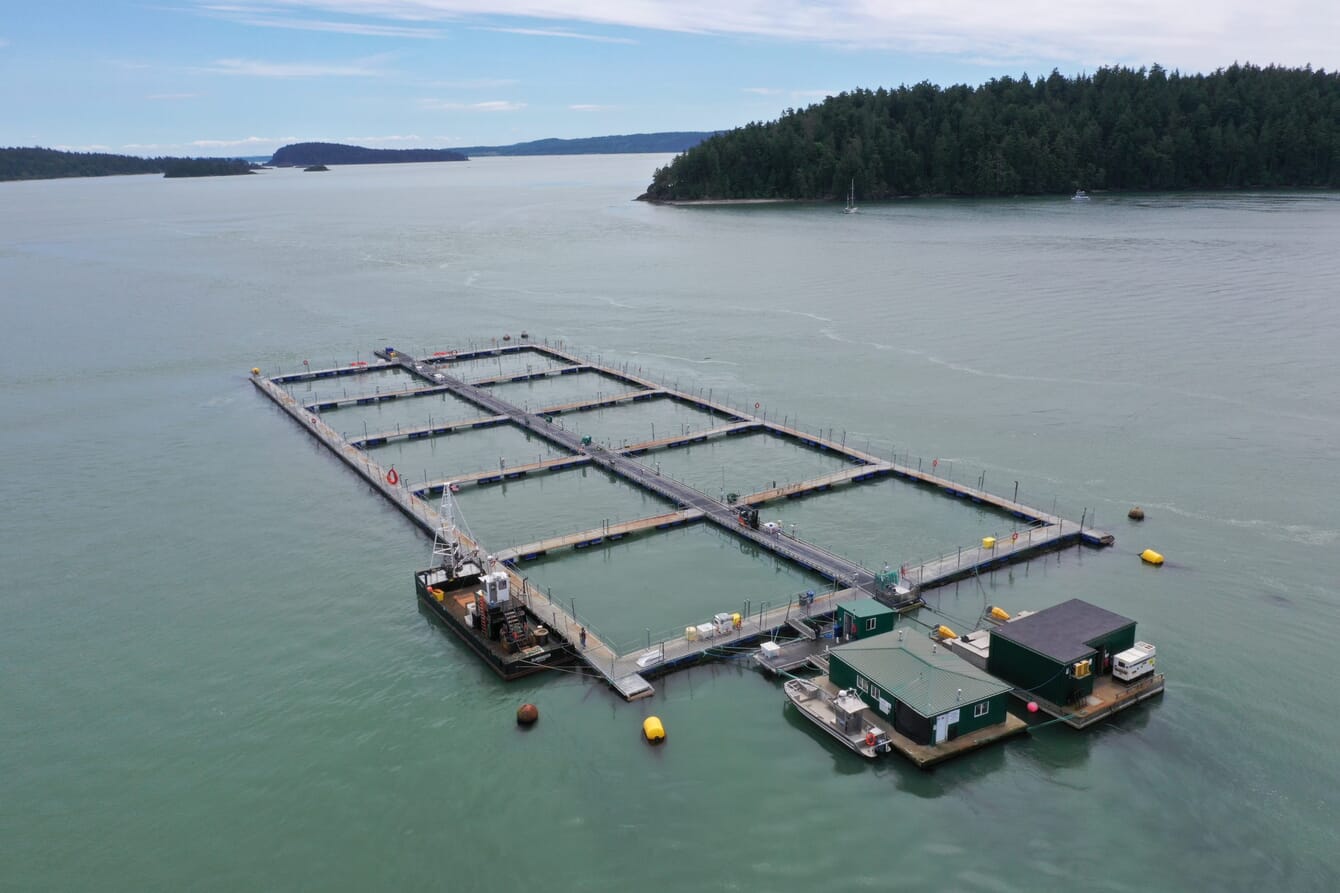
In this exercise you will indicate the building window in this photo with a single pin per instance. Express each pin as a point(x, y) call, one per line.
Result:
point(982, 709)
point(862, 684)
point(874, 692)
point(871, 624)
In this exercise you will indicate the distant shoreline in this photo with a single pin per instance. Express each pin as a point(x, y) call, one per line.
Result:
point(687, 202)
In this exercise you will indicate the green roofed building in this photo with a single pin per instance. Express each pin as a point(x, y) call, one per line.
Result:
point(862, 619)
point(928, 693)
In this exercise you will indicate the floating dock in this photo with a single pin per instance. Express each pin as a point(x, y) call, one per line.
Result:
point(628, 673)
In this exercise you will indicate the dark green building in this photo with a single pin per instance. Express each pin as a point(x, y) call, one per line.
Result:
point(863, 618)
point(1055, 654)
point(930, 694)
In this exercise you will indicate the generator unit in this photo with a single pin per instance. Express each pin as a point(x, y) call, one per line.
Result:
point(1134, 663)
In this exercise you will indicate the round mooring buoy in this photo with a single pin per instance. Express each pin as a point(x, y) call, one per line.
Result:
point(526, 714)
point(1032, 706)
point(255, 370)
point(1136, 514)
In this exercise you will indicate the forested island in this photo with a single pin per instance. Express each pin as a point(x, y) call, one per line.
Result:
point(32, 163)
point(1118, 129)
point(305, 154)
point(620, 144)
point(207, 167)
point(298, 154)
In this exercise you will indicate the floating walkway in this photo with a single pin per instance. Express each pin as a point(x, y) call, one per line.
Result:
point(628, 672)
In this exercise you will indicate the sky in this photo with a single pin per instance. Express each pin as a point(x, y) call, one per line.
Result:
point(204, 77)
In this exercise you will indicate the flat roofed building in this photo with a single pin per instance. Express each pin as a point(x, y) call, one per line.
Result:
point(1057, 652)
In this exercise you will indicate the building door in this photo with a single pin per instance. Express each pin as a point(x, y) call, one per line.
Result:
point(941, 728)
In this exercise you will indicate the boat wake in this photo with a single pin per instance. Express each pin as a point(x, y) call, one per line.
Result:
point(1303, 534)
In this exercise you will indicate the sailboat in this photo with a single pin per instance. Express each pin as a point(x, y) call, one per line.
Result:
point(851, 199)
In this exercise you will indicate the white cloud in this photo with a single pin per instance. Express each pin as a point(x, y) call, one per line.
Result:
point(257, 145)
point(95, 147)
point(494, 105)
point(262, 69)
point(472, 84)
point(589, 107)
point(380, 142)
point(248, 16)
point(1194, 35)
point(555, 32)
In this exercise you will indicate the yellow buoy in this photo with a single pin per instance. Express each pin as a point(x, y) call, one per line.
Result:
point(652, 730)
point(988, 542)
point(1149, 556)
point(999, 613)
point(945, 632)
point(255, 370)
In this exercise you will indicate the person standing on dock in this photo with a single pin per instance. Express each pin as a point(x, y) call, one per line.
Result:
point(583, 636)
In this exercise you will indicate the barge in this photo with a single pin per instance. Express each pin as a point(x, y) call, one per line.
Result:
point(479, 608)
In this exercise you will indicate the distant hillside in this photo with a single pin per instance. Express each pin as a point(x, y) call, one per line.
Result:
point(633, 143)
point(1118, 128)
point(304, 154)
point(207, 167)
point(46, 164)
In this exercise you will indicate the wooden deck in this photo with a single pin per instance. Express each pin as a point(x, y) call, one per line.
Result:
point(598, 535)
point(1109, 696)
point(678, 440)
point(432, 430)
point(816, 485)
point(552, 372)
point(596, 402)
point(432, 488)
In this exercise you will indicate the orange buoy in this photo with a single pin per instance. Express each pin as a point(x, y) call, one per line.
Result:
point(526, 714)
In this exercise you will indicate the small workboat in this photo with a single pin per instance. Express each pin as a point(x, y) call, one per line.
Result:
point(1080, 196)
point(841, 715)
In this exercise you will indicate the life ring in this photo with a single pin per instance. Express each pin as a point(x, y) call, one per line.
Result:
point(869, 739)
point(1014, 537)
point(392, 477)
point(756, 405)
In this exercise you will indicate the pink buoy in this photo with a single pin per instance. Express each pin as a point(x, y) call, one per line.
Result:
point(1032, 706)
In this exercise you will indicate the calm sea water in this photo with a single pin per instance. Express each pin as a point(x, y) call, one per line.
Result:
point(215, 675)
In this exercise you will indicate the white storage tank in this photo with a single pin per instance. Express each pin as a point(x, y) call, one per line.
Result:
point(1134, 662)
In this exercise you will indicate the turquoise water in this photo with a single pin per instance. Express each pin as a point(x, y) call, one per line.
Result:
point(215, 675)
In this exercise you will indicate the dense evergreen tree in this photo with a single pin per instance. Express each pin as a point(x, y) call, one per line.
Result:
point(1118, 128)
point(45, 164)
point(207, 167)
